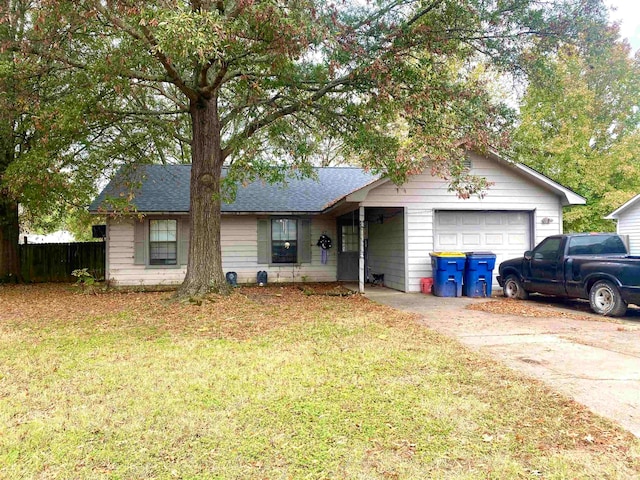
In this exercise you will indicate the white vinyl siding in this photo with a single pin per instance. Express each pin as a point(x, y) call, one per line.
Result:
point(120, 251)
point(239, 254)
point(315, 271)
point(386, 252)
point(629, 224)
point(423, 194)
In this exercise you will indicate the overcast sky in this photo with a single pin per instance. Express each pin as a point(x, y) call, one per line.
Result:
point(628, 13)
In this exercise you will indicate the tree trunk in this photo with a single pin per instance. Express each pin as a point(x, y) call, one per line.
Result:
point(9, 226)
point(9, 231)
point(204, 267)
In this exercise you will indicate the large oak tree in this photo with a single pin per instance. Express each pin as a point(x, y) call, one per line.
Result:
point(401, 83)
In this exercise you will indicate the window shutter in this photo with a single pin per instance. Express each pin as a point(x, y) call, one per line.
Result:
point(139, 241)
point(264, 234)
point(304, 241)
point(183, 249)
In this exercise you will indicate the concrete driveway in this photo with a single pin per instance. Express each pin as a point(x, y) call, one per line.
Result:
point(593, 360)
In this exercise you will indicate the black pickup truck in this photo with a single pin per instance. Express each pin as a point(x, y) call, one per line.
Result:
point(596, 267)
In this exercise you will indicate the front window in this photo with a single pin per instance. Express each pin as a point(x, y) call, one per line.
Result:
point(284, 240)
point(163, 242)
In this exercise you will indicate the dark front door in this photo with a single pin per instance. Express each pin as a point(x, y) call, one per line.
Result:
point(348, 249)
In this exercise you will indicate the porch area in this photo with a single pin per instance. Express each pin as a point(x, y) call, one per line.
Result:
point(372, 247)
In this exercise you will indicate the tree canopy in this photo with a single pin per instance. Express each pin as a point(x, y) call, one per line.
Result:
point(400, 84)
point(579, 124)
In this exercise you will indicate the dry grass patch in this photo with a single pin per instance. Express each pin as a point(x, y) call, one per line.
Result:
point(271, 383)
point(531, 308)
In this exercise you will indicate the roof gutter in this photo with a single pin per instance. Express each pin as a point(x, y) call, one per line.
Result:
point(356, 196)
point(140, 212)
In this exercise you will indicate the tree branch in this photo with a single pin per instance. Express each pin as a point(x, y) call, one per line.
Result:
point(148, 37)
point(133, 75)
point(235, 111)
point(217, 81)
point(423, 12)
point(260, 123)
point(145, 112)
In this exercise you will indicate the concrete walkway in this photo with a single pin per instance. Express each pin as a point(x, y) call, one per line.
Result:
point(595, 361)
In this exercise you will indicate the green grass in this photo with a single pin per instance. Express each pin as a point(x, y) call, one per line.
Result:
point(273, 387)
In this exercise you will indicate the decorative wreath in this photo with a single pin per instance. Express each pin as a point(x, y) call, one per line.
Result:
point(324, 242)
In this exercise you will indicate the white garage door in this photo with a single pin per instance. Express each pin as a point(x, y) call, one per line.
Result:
point(507, 234)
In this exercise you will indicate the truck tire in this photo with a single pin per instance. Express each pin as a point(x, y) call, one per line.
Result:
point(605, 299)
point(513, 288)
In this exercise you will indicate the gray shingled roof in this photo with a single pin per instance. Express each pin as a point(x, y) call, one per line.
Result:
point(165, 188)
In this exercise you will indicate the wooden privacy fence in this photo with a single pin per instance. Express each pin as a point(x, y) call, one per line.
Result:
point(54, 262)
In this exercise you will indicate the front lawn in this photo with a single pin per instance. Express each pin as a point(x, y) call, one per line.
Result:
point(272, 383)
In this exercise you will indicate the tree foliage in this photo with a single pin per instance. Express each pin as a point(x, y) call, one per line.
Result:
point(63, 129)
point(580, 126)
point(400, 84)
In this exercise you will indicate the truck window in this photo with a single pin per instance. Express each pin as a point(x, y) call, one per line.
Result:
point(548, 249)
point(597, 245)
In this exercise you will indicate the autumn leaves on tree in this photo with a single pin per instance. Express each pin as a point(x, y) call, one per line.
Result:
point(579, 125)
point(262, 86)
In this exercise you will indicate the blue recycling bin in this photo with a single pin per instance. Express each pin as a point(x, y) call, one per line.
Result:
point(447, 269)
point(478, 274)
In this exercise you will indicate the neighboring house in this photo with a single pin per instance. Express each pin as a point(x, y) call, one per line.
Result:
point(276, 229)
point(628, 223)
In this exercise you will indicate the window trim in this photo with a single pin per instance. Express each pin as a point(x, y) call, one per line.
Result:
point(151, 242)
point(265, 248)
point(141, 240)
point(297, 240)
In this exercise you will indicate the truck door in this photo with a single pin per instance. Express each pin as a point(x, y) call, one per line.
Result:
point(546, 273)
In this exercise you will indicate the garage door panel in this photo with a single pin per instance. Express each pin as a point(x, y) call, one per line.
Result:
point(470, 239)
point(494, 239)
point(493, 219)
point(518, 219)
point(507, 234)
point(447, 220)
point(447, 240)
point(470, 219)
point(518, 239)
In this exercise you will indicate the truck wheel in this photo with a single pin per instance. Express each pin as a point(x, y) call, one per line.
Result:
point(605, 299)
point(513, 288)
